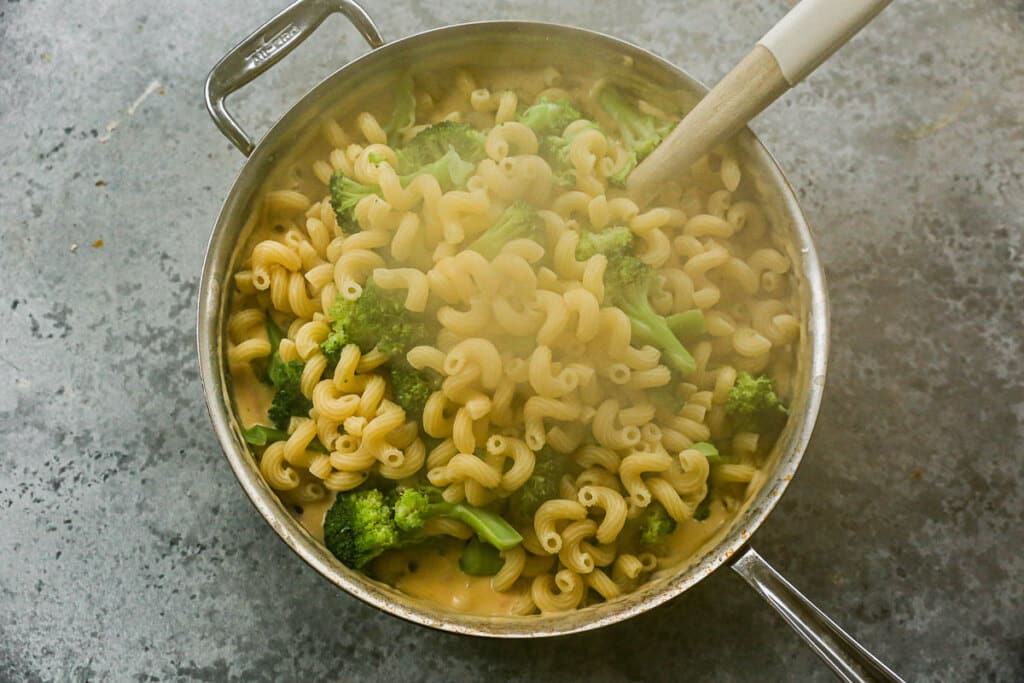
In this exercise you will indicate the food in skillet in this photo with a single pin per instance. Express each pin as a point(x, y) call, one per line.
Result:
point(480, 372)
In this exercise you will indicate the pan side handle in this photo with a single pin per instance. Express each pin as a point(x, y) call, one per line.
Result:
point(267, 46)
point(847, 658)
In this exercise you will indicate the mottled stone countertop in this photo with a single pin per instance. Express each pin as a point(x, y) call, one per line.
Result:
point(127, 549)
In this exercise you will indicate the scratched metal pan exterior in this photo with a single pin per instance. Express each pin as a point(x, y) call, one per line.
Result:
point(501, 43)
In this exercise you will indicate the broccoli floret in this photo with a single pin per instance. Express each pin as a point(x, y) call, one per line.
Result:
point(555, 150)
point(286, 378)
point(345, 194)
point(614, 243)
point(451, 171)
point(363, 524)
point(434, 142)
point(543, 484)
point(518, 220)
point(549, 117)
point(340, 312)
point(448, 151)
point(412, 388)
point(627, 281)
point(641, 132)
point(655, 524)
point(480, 559)
point(403, 114)
point(753, 405)
point(359, 527)
point(378, 318)
point(261, 435)
point(619, 177)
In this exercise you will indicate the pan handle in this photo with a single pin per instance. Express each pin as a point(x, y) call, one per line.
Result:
point(267, 46)
point(848, 659)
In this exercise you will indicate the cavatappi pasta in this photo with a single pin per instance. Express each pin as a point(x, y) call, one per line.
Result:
point(535, 360)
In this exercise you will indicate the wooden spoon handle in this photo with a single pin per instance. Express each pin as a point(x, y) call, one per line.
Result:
point(793, 48)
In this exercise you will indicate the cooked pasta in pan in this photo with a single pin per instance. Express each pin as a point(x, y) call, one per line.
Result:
point(479, 371)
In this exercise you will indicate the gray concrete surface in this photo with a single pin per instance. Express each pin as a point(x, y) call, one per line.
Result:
point(127, 550)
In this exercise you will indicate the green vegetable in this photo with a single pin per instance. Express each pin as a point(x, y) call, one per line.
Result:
point(620, 176)
point(403, 114)
point(687, 324)
point(555, 150)
point(655, 524)
point(345, 194)
point(286, 378)
point(542, 485)
point(615, 243)
point(703, 510)
point(378, 318)
point(363, 524)
point(518, 220)
point(448, 151)
point(436, 141)
point(412, 388)
point(260, 435)
point(641, 132)
point(480, 559)
point(549, 117)
point(627, 281)
point(709, 451)
point(753, 406)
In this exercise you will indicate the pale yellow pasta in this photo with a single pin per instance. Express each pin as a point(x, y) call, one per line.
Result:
point(275, 469)
point(592, 455)
point(634, 466)
point(749, 343)
point(344, 481)
point(562, 592)
point(247, 351)
point(331, 404)
point(479, 352)
point(511, 570)
point(627, 568)
point(510, 138)
point(613, 505)
point(663, 492)
point(539, 408)
point(572, 554)
point(606, 430)
point(596, 476)
point(462, 467)
point(548, 515)
point(523, 461)
point(602, 584)
point(412, 280)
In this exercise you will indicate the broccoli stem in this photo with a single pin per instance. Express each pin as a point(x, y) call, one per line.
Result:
point(651, 328)
point(489, 526)
point(404, 113)
point(518, 220)
point(261, 435)
point(687, 324)
point(480, 559)
point(274, 335)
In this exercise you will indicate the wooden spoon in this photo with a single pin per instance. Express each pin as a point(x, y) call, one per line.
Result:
point(793, 48)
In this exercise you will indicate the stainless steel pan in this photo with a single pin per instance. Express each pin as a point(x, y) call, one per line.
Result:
point(523, 44)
